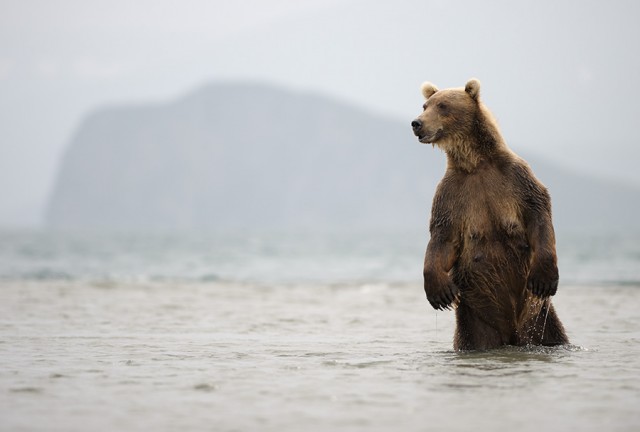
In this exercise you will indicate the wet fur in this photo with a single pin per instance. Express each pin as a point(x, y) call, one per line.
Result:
point(492, 248)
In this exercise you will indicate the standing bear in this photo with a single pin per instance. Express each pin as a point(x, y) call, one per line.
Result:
point(492, 252)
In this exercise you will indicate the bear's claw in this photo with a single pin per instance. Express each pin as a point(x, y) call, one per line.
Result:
point(541, 288)
point(444, 298)
point(543, 278)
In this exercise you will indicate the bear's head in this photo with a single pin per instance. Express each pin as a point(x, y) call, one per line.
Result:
point(447, 115)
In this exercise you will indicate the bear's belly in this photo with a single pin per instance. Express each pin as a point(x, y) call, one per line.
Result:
point(500, 249)
point(492, 269)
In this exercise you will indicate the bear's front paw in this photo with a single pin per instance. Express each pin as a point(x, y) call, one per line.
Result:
point(543, 280)
point(441, 296)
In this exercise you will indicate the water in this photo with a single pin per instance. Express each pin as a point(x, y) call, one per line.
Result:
point(235, 332)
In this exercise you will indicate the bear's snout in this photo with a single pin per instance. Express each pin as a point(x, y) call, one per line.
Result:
point(416, 125)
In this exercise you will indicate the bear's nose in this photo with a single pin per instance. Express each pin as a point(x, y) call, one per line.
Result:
point(416, 124)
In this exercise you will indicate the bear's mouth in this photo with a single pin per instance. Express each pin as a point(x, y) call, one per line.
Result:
point(430, 138)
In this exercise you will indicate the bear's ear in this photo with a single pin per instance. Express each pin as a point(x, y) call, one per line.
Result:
point(428, 90)
point(473, 88)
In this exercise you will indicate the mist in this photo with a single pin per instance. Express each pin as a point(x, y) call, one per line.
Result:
point(232, 156)
point(559, 76)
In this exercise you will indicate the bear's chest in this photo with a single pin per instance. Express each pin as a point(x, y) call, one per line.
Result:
point(488, 206)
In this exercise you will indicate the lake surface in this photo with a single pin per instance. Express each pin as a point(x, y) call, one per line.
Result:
point(295, 332)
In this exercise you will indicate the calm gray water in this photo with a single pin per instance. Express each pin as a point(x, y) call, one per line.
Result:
point(295, 332)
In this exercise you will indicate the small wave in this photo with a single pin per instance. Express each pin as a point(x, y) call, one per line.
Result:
point(205, 387)
point(356, 364)
point(512, 353)
point(34, 390)
point(45, 274)
point(541, 349)
point(603, 282)
point(209, 277)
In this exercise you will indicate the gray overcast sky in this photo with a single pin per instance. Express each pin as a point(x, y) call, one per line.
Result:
point(559, 75)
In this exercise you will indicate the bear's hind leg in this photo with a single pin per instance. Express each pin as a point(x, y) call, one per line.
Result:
point(553, 329)
point(544, 328)
point(472, 333)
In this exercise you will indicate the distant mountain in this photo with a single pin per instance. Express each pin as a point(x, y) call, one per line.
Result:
point(248, 155)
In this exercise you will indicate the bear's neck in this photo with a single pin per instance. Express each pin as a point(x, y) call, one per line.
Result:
point(482, 144)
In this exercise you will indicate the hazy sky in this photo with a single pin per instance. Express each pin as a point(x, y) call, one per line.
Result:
point(559, 75)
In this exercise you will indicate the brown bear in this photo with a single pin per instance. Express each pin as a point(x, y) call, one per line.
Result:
point(492, 253)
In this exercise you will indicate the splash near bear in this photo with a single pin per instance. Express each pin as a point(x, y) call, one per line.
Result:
point(492, 253)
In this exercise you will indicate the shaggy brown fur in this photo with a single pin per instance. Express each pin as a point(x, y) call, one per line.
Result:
point(492, 249)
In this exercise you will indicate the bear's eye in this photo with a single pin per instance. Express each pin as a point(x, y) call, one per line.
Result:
point(443, 106)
